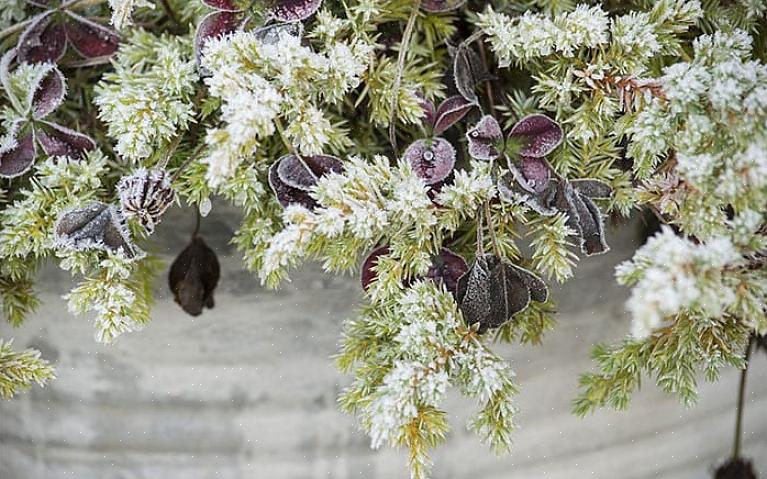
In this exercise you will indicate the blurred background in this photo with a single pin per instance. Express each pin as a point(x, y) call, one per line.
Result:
point(248, 389)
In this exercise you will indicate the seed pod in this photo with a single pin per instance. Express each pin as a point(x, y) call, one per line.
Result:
point(432, 160)
point(146, 195)
point(96, 226)
point(493, 290)
point(193, 277)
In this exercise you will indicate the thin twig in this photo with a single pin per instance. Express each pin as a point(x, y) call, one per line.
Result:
point(741, 400)
point(292, 150)
point(197, 222)
point(187, 162)
point(403, 47)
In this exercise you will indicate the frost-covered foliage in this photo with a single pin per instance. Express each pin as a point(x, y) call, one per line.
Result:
point(18, 370)
point(459, 156)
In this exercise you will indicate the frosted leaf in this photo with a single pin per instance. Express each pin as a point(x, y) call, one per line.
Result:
point(485, 139)
point(294, 10)
point(540, 133)
point(193, 277)
point(368, 273)
point(57, 140)
point(432, 159)
point(536, 173)
point(468, 70)
point(439, 6)
point(90, 39)
point(511, 190)
point(286, 194)
point(592, 188)
point(450, 112)
point(18, 157)
point(270, 34)
point(146, 195)
point(44, 40)
point(584, 217)
point(47, 94)
point(225, 5)
point(95, 226)
point(205, 207)
point(429, 111)
point(447, 267)
point(493, 290)
point(293, 173)
point(214, 25)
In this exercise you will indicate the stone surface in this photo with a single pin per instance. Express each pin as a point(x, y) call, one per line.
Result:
point(248, 390)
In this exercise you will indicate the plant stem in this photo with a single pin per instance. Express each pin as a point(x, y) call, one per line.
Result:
point(403, 47)
point(171, 15)
point(741, 400)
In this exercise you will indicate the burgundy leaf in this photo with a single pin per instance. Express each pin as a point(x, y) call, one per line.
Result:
point(293, 173)
point(146, 195)
point(224, 5)
point(439, 6)
point(450, 112)
point(286, 194)
point(17, 160)
point(541, 134)
point(484, 139)
point(446, 268)
point(432, 160)
point(584, 217)
point(592, 188)
point(48, 93)
point(493, 290)
point(467, 72)
point(429, 112)
point(294, 10)
point(193, 277)
point(270, 34)
point(535, 172)
point(44, 40)
point(510, 189)
point(368, 274)
point(90, 39)
point(214, 25)
point(57, 140)
point(95, 226)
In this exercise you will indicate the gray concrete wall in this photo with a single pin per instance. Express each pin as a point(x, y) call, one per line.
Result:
point(248, 391)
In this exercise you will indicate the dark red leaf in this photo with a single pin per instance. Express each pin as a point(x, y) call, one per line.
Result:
point(48, 93)
point(446, 268)
point(287, 195)
point(57, 140)
point(432, 160)
point(95, 226)
point(193, 277)
point(485, 139)
point(294, 10)
point(468, 70)
point(429, 112)
point(44, 40)
point(90, 39)
point(535, 172)
point(224, 5)
point(18, 159)
point(439, 6)
point(540, 133)
point(510, 189)
point(294, 174)
point(450, 112)
point(214, 25)
point(368, 273)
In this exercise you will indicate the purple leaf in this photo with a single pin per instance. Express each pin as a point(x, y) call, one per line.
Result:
point(48, 93)
point(592, 188)
point(450, 112)
point(90, 39)
point(146, 195)
point(535, 173)
point(510, 189)
point(294, 10)
point(18, 159)
point(439, 6)
point(467, 72)
point(224, 5)
point(446, 268)
point(493, 290)
point(429, 112)
point(541, 134)
point(95, 226)
point(193, 277)
point(293, 173)
point(584, 217)
point(432, 160)
point(44, 40)
point(57, 140)
point(368, 274)
point(287, 195)
point(485, 138)
point(214, 25)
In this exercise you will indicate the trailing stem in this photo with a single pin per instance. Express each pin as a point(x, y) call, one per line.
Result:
point(741, 399)
point(403, 47)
